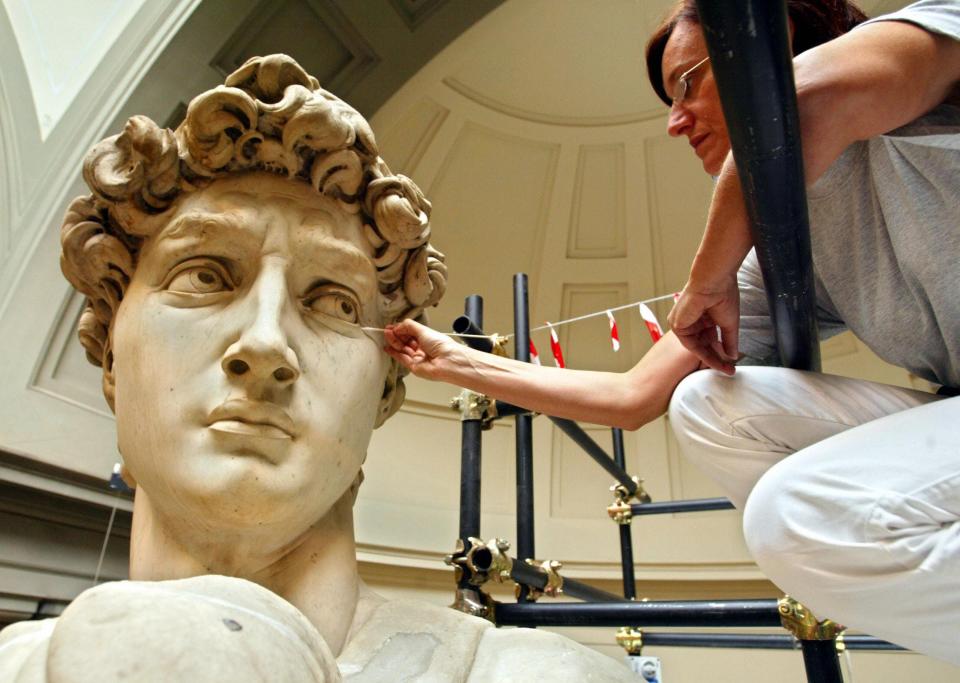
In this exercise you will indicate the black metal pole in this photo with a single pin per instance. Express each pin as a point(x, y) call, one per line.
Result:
point(528, 575)
point(593, 449)
point(755, 641)
point(700, 613)
point(821, 662)
point(750, 57)
point(504, 409)
point(466, 325)
point(524, 432)
point(669, 506)
point(525, 574)
point(626, 539)
point(470, 456)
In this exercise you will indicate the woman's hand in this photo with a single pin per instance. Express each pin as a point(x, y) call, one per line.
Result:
point(424, 352)
point(704, 311)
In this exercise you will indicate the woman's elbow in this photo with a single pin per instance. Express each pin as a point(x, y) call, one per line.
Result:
point(635, 409)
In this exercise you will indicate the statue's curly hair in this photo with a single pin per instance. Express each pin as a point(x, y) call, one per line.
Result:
point(270, 115)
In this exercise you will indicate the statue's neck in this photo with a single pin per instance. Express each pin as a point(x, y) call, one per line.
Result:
point(315, 571)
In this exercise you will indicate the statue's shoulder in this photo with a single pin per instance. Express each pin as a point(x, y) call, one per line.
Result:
point(514, 654)
point(201, 628)
point(411, 640)
point(23, 651)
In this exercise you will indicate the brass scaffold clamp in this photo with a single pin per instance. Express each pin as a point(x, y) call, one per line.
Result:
point(499, 342)
point(554, 585)
point(469, 598)
point(474, 602)
point(619, 510)
point(803, 624)
point(457, 560)
point(630, 639)
point(482, 561)
point(471, 405)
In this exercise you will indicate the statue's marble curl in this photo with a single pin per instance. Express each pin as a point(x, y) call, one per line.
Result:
point(230, 268)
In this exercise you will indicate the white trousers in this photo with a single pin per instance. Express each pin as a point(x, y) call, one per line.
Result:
point(860, 523)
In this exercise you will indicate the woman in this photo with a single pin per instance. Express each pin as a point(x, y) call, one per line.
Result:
point(860, 522)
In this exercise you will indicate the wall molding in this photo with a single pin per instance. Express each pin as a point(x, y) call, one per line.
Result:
point(512, 111)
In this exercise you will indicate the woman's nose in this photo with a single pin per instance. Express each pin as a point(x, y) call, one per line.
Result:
point(680, 120)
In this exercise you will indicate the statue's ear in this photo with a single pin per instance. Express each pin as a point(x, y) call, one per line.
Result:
point(393, 394)
point(108, 382)
point(355, 486)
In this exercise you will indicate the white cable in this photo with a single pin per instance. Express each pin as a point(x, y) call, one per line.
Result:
point(545, 327)
point(106, 538)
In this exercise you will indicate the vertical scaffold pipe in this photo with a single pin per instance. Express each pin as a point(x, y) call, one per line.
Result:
point(749, 50)
point(821, 661)
point(626, 540)
point(524, 432)
point(470, 452)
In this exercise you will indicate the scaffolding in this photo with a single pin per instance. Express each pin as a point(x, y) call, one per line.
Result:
point(749, 51)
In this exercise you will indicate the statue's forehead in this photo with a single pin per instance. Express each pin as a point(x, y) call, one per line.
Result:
point(242, 221)
point(247, 206)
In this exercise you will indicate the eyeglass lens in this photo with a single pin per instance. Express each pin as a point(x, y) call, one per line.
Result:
point(681, 92)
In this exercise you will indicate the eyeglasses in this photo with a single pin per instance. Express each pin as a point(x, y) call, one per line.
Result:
point(683, 83)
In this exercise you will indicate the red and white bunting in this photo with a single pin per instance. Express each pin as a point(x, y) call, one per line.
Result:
point(656, 332)
point(555, 347)
point(534, 356)
point(614, 333)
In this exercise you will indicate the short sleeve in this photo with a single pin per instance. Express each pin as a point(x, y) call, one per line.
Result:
point(936, 16)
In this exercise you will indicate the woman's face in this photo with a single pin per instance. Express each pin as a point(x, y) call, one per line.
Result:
point(699, 115)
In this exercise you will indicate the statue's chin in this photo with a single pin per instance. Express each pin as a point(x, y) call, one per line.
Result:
point(237, 499)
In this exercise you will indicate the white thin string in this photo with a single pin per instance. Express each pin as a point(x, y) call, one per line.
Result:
point(597, 313)
point(849, 662)
point(106, 537)
point(545, 327)
point(449, 334)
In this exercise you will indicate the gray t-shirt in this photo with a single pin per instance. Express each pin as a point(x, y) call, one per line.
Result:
point(885, 232)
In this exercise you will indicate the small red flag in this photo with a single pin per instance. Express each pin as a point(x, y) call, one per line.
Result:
point(614, 333)
point(651, 320)
point(555, 348)
point(534, 356)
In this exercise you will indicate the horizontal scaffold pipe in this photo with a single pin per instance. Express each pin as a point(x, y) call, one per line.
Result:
point(466, 326)
point(536, 577)
point(754, 641)
point(699, 613)
point(668, 506)
point(524, 573)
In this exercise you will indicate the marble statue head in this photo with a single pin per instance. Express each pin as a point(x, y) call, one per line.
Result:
point(229, 268)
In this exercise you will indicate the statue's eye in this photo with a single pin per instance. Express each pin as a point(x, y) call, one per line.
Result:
point(333, 301)
point(199, 277)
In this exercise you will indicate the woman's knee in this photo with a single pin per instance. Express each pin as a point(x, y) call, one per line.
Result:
point(783, 522)
point(803, 520)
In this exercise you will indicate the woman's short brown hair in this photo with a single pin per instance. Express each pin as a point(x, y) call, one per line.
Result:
point(814, 22)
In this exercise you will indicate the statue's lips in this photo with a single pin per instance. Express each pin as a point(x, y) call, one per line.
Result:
point(252, 418)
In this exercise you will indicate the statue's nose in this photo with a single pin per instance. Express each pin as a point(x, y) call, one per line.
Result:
point(263, 352)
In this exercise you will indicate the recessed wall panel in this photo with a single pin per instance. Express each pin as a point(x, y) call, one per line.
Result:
point(597, 223)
